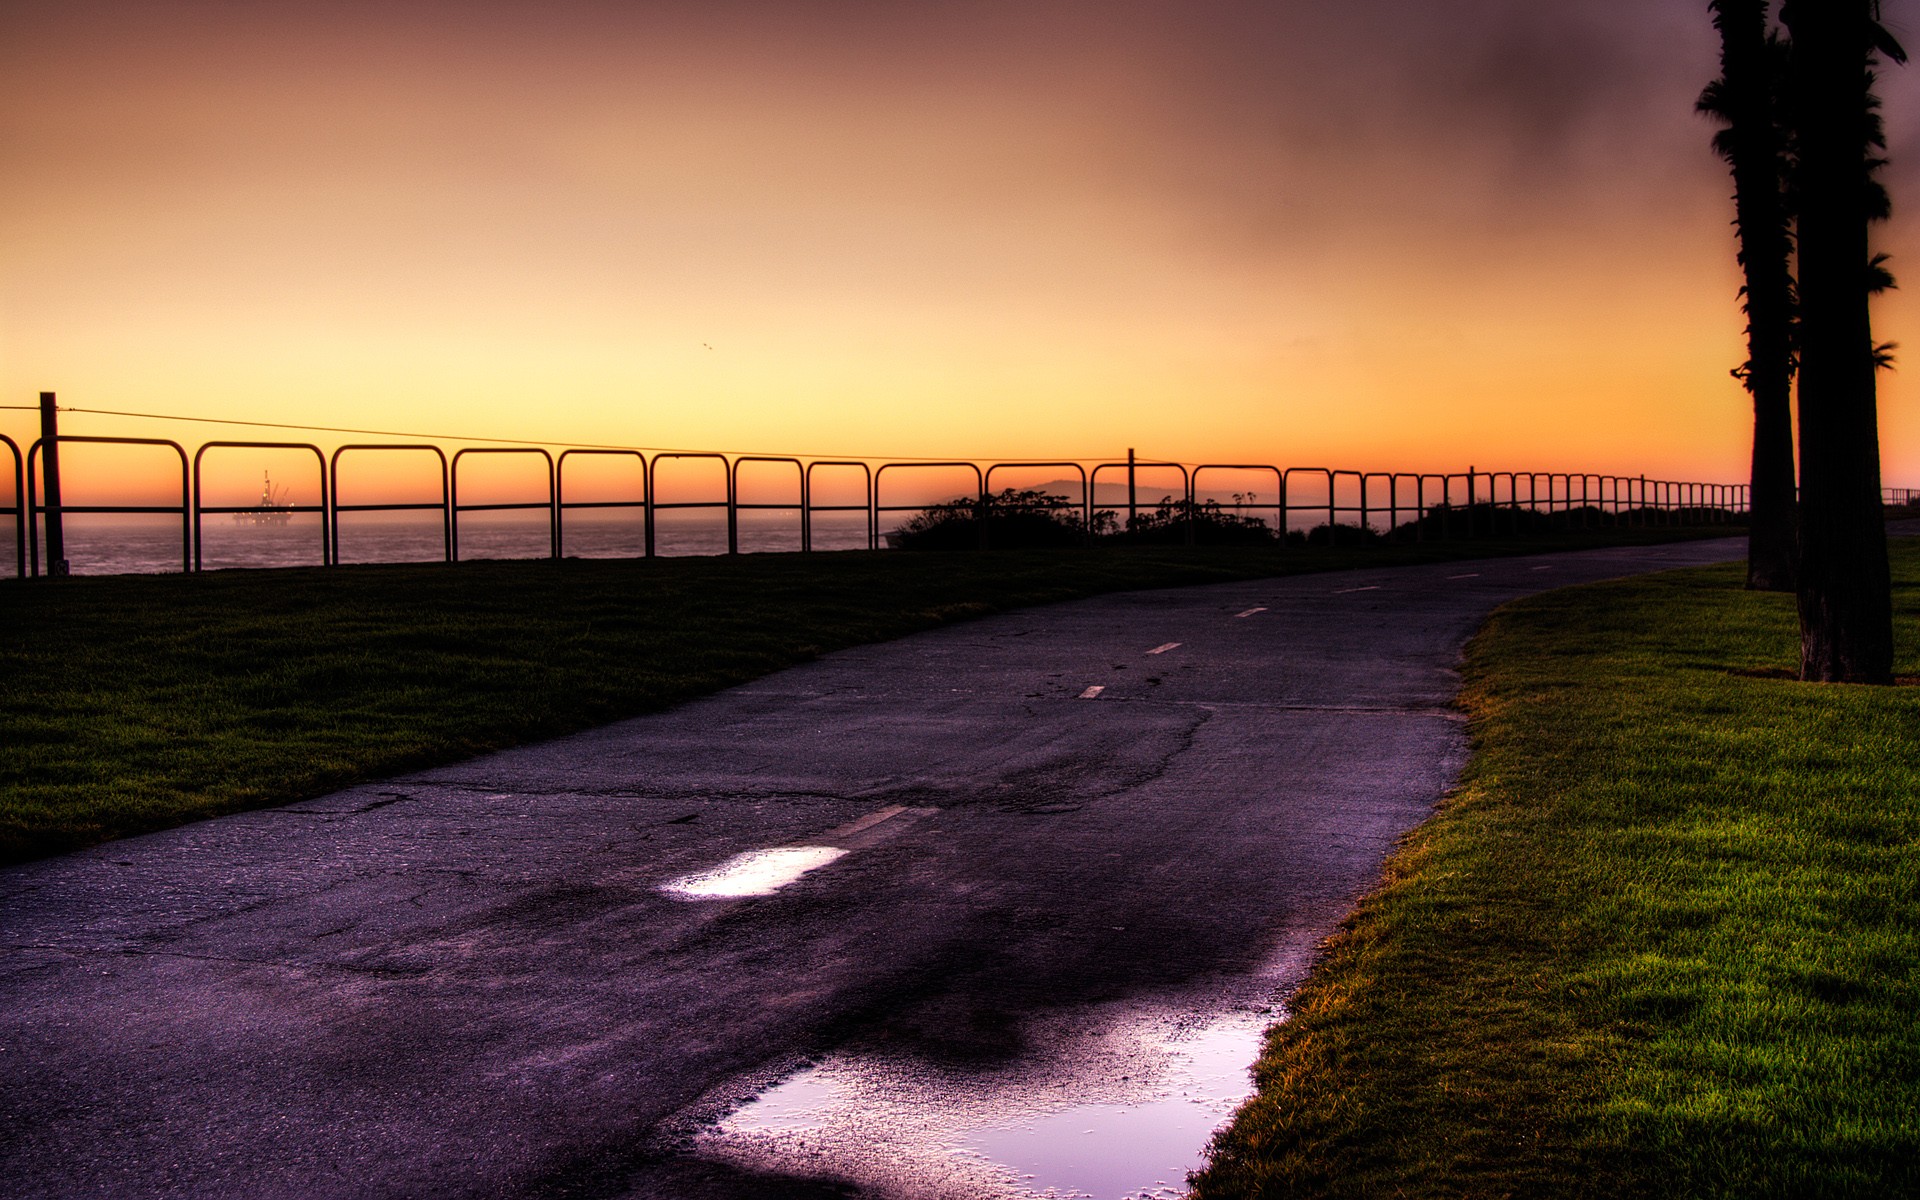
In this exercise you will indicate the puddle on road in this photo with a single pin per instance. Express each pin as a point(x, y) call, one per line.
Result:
point(755, 873)
point(1126, 1118)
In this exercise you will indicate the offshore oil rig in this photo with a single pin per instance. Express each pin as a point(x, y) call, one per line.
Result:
point(275, 507)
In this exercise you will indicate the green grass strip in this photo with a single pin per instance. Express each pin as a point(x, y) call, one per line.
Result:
point(134, 703)
point(1662, 941)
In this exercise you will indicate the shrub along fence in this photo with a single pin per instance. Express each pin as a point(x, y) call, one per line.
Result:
point(1333, 503)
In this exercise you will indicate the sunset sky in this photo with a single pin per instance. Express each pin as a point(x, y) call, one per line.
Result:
point(1387, 233)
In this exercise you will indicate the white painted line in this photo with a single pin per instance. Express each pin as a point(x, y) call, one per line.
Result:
point(1093, 691)
point(1252, 611)
point(1468, 575)
point(1162, 649)
point(1371, 588)
point(1542, 568)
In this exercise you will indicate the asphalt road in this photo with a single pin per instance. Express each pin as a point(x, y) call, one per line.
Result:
point(469, 982)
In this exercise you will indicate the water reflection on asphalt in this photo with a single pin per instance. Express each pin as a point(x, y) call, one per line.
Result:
point(1125, 1116)
point(755, 873)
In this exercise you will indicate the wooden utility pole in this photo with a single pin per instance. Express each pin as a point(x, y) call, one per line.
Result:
point(1132, 509)
point(50, 462)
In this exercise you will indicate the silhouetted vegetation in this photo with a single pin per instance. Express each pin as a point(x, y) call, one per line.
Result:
point(1026, 519)
point(1505, 520)
point(1204, 522)
point(1022, 519)
point(1009, 519)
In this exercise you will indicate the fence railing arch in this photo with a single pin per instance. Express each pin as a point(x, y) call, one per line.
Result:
point(654, 503)
point(808, 507)
point(879, 476)
point(18, 510)
point(35, 508)
point(445, 506)
point(1133, 467)
point(1420, 503)
point(1279, 505)
point(1086, 490)
point(739, 505)
point(562, 504)
point(201, 508)
point(1367, 508)
point(455, 508)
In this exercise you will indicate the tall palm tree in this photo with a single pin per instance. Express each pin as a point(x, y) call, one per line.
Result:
point(1747, 100)
point(1846, 621)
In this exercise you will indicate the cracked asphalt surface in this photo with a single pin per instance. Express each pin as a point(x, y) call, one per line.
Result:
point(467, 982)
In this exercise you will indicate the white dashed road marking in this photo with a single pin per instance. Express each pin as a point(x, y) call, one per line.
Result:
point(1251, 611)
point(1468, 575)
point(1370, 588)
point(867, 822)
point(1162, 649)
point(1093, 691)
point(1542, 568)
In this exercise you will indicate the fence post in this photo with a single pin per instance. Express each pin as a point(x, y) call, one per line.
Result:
point(1133, 510)
point(50, 461)
point(733, 506)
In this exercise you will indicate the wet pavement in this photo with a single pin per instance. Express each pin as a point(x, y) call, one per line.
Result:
point(993, 910)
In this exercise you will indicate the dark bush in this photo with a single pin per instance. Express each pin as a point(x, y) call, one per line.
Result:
point(1167, 524)
point(1483, 520)
point(1336, 535)
point(1503, 520)
point(1014, 520)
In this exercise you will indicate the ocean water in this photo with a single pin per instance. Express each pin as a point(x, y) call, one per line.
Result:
point(122, 545)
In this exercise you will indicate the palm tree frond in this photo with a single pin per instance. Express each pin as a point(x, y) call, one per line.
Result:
point(1879, 279)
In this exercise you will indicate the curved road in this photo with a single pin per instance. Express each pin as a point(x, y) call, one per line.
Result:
point(471, 981)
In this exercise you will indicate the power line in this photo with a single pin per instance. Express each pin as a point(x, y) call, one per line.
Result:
point(455, 437)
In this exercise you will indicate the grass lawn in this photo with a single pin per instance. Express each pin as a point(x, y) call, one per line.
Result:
point(1663, 941)
point(132, 703)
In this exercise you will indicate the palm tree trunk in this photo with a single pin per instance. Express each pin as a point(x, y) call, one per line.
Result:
point(1747, 98)
point(1846, 620)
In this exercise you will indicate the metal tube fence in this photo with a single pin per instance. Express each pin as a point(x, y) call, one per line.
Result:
point(1469, 504)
